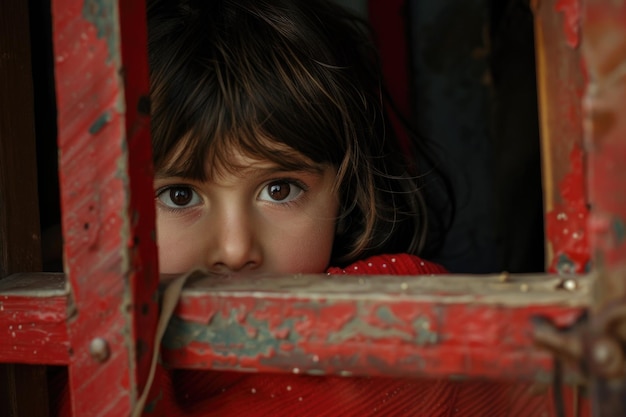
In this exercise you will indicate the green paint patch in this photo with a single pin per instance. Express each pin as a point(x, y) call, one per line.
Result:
point(102, 14)
point(357, 328)
point(226, 336)
point(425, 336)
point(386, 315)
point(619, 230)
point(100, 122)
point(564, 265)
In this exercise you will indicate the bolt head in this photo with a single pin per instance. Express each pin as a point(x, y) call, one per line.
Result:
point(570, 284)
point(99, 349)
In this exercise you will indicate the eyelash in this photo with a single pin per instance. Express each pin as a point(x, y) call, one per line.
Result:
point(291, 181)
point(167, 188)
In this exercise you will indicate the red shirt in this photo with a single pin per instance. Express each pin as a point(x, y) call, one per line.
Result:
point(401, 264)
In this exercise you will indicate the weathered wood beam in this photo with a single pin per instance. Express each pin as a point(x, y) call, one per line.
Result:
point(440, 326)
point(33, 313)
point(604, 50)
point(560, 89)
point(105, 170)
point(450, 326)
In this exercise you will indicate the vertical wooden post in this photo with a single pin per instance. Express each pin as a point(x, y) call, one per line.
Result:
point(23, 388)
point(604, 48)
point(107, 200)
point(560, 88)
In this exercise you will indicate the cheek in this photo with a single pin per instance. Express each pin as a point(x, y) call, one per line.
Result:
point(176, 252)
point(171, 260)
point(306, 250)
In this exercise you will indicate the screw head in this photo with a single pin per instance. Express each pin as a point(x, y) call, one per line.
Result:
point(99, 349)
point(570, 284)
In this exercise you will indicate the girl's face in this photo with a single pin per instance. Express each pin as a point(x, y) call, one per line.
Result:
point(257, 218)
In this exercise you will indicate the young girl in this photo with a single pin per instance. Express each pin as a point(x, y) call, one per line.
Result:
point(271, 146)
point(273, 153)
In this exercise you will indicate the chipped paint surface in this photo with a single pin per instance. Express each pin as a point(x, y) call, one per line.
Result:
point(566, 223)
point(604, 49)
point(32, 319)
point(342, 327)
point(561, 82)
point(102, 15)
point(100, 122)
point(571, 20)
point(140, 215)
point(103, 148)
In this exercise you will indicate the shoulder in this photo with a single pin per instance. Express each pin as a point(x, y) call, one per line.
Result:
point(396, 264)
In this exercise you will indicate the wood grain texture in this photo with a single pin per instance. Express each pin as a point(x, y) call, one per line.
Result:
point(561, 83)
point(440, 326)
point(101, 75)
point(604, 50)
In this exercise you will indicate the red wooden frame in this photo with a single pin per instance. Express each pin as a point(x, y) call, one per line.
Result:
point(106, 199)
point(466, 326)
point(605, 134)
point(102, 324)
point(561, 82)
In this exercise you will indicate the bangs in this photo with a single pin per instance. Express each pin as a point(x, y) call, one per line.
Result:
point(230, 82)
point(203, 160)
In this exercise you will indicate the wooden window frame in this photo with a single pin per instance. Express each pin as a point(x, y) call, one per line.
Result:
point(462, 326)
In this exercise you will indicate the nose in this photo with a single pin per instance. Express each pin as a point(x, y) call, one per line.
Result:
point(234, 243)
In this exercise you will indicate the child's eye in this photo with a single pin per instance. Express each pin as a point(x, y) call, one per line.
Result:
point(178, 196)
point(281, 191)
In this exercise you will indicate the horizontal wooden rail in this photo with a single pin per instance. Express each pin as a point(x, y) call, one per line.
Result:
point(430, 326)
point(33, 317)
point(465, 326)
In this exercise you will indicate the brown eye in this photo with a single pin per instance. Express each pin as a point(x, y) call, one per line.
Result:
point(279, 191)
point(179, 196)
point(282, 191)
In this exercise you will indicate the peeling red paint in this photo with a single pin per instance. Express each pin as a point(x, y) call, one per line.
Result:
point(561, 77)
point(604, 49)
point(566, 224)
point(606, 129)
point(343, 334)
point(335, 315)
point(571, 17)
point(607, 191)
point(374, 333)
point(140, 242)
point(106, 197)
point(33, 330)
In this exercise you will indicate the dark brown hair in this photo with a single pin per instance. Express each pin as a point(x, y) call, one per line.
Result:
point(301, 73)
